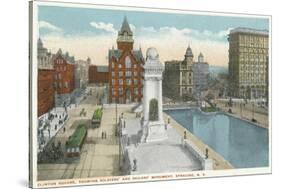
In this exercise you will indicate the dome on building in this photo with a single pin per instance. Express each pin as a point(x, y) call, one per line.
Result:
point(152, 54)
point(188, 52)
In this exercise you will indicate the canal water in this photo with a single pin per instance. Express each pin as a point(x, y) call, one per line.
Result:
point(241, 143)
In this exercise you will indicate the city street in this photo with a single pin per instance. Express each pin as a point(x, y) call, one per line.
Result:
point(99, 156)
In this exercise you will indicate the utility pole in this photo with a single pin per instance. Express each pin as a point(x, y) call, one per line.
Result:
point(253, 110)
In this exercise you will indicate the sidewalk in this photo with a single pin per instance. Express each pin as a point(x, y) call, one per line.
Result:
point(246, 113)
point(156, 157)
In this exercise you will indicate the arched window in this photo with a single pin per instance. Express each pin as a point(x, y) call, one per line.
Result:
point(128, 62)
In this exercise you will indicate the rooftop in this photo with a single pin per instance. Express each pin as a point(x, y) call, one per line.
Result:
point(248, 31)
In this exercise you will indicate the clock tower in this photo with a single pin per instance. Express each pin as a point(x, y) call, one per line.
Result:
point(125, 39)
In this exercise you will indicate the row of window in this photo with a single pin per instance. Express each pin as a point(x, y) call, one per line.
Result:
point(252, 68)
point(127, 74)
point(59, 61)
point(128, 81)
point(61, 68)
point(120, 66)
point(60, 85)
point(58, 76)
point(185, 82)
point(128, 63)
point(121, 91)
point(122, 100)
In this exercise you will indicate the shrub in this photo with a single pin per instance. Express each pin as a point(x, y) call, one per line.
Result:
point(209, 109)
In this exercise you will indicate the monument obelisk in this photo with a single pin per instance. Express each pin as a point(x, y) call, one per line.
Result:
point(153, 124)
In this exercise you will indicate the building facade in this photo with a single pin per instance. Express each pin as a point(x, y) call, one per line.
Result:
point(82, 73)
point(186, 74)
point(178, 77)
point(200, 75)
point(98, 75)
point(125, 68)
point(46, 92)
point(248, 52)
point(64, 77)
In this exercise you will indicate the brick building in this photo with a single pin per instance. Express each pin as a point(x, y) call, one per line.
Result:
point(46, 92)
point(98, 74)
point(64, 77)
point(125, 69)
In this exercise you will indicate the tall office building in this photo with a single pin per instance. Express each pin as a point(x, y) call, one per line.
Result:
point(248, 52)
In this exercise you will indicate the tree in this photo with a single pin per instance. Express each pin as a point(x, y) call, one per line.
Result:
point(210, 96)
point(153, 110)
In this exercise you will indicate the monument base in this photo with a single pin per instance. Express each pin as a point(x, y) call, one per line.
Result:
point(154, 131)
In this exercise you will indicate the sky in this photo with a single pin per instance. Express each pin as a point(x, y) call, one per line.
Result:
point(90, 32)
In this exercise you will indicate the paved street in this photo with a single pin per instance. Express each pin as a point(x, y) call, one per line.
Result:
point(99, 157)
point(260, 114)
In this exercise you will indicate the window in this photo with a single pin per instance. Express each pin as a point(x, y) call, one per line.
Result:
point(120, 81)
point(128, 73)
point(113, 74)
point(112, 64)
point(113, 99)
point(113, 91)
point(113, 82)
point(120, 74)
point(135, 73)
point(135, 81)
point(128, 63)
point(120, 90)
point(136, 91)
point(120, 66)
point(66, 84)
point(128, 81)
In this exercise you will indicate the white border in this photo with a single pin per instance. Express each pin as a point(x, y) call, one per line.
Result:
point(214, 173)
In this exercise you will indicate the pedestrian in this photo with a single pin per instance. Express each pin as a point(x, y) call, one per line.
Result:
point(102, 135)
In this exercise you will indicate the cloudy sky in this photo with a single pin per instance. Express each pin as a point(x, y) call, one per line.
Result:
point(91, 32)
